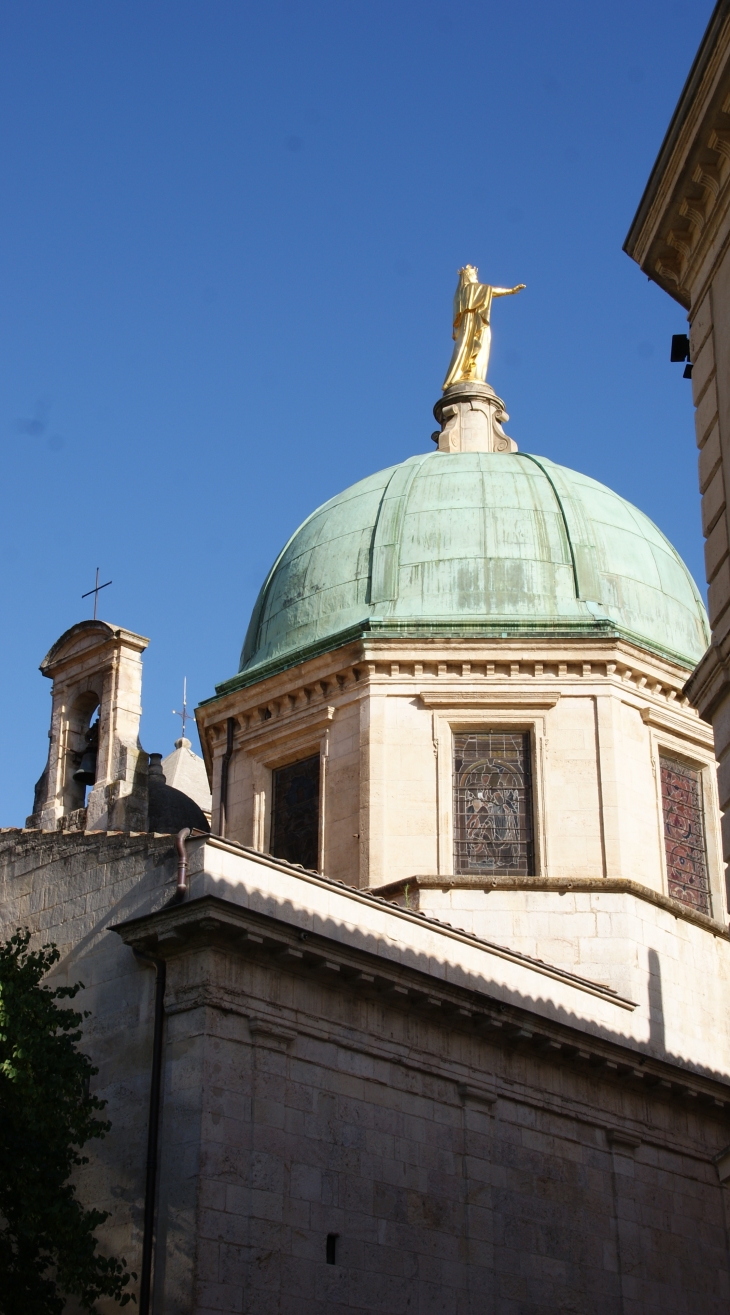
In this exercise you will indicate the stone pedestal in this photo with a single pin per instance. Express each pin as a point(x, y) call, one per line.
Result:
point(470, 415)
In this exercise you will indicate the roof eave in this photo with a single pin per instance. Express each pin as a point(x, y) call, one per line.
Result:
point(646, 220)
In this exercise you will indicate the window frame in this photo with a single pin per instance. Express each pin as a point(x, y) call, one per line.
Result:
point(664, 744)
point(446, 724)
point(264, 764)
point(525, 825)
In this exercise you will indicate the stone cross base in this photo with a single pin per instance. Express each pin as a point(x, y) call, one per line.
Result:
point(470, 416)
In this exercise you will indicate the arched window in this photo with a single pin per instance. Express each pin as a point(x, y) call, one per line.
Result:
point(79, 719)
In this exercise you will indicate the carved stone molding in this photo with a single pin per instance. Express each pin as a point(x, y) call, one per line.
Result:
point(698, 732)
point(476, 1095)
point(623, 1140)
point(688, 194)
point(271, 1035)
point(292, 701)
point(242, 932)
point(722, 1164)
point(405, 892)
point(516, 699)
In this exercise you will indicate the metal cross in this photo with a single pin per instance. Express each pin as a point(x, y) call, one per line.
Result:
point(96, 589)
point(186, 716)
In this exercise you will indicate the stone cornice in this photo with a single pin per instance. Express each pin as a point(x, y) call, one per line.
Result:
point(365, 896)
point(688, 193)
point(215, 922)
point(33, 848)
point(86, 639)
point(297, 698)
point(465, 699)
point(303, 722)
point(697, 731)
point(558, 885)
point(372, 636)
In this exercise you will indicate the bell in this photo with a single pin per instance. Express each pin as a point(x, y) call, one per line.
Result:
point(85, 773)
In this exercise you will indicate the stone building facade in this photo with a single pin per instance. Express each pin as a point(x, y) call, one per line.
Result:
point(475, 1128)
point(680, 237)
point(438, 1010)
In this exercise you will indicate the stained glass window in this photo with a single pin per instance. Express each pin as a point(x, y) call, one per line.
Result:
point(492, 803)
point(295, 812)
point(684, 834)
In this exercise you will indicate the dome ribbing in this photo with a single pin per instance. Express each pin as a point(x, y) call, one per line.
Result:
point(477, 543)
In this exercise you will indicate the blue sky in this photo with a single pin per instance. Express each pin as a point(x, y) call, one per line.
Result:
point(229, 239)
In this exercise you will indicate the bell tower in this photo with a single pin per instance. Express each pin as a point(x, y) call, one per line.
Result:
point(96, 671)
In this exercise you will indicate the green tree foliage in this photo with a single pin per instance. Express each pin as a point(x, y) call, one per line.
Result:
point(48, 1251)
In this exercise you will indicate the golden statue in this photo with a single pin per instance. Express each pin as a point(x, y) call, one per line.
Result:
point(472, 334)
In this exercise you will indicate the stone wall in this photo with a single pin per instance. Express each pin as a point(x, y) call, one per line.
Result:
point(647, 950)
point(69, 889)
point(481, 1130)
point(459, 1174)
point(710, 341)
point(382, 715)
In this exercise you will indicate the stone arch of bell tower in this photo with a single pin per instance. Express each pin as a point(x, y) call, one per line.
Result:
point(78, 720)
point(94, 667)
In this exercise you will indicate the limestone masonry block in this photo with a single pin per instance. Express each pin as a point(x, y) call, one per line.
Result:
point(706, 414)
point(700, 324)
point(703, 366)
point(716, 547)
point(709, 458)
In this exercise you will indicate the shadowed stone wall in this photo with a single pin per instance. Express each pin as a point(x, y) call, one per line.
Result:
point(470, 1153)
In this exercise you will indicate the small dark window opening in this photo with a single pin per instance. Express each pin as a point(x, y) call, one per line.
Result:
point(493, 803)
point(332, 1248)
point(295, 812)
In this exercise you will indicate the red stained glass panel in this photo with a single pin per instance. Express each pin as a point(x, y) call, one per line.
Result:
point(684, 834)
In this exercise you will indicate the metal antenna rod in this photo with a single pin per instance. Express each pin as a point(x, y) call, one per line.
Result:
point(95, 591)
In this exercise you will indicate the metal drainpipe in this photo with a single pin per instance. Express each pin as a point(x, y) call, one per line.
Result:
point(153, 1123)
point(224, 778)
point(181, 889)
point(153, 1132)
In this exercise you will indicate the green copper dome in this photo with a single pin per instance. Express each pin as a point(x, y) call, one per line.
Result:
point(469, 544)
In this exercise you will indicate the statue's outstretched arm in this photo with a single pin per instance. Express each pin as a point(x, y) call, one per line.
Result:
point(507, 292)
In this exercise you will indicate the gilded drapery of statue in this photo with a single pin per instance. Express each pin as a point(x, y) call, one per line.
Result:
point(472, 333)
